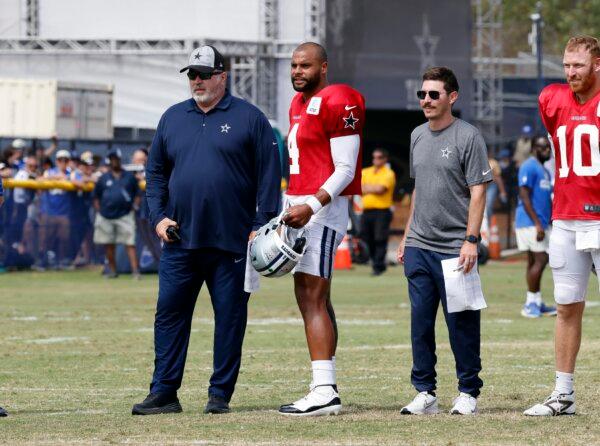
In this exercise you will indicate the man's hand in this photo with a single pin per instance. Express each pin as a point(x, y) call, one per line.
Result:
point(468, 256)
point(400, 251)
point(541, 234)
point(252, 235)
point(161, 228)
point(297, 216)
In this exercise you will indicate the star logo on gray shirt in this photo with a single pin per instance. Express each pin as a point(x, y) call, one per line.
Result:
point(225, 128)
point(446, 152)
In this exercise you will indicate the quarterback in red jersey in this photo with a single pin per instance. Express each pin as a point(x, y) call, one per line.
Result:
point(571, 114)
point(324, 145)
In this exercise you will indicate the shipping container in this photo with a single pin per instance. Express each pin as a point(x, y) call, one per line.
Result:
point(33, 108)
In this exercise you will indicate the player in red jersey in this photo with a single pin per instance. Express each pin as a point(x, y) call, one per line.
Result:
point(571, 114)
point(324, 145)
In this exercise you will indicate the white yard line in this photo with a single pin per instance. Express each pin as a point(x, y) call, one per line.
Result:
point(57, 340)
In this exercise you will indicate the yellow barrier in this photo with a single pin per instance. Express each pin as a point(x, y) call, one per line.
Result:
point(43, 184)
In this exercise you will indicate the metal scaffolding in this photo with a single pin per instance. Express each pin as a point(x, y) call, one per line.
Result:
point(487, 70)
point(253, 63)
point(316, 17)
point(269, 19)
point(32, 21)
point(247, 59)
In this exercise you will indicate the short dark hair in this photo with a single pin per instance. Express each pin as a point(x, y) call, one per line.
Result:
point(443, 74)
point(321, 53)
point(384, 152)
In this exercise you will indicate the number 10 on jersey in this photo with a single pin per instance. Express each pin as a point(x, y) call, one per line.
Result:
point(578, 168)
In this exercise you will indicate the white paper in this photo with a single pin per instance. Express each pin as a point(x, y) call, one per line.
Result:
point(463, 291)
point(587, 240)
point(251, 277)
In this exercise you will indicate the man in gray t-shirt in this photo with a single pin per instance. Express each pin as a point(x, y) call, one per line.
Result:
point(445, 164)
point(448, 160)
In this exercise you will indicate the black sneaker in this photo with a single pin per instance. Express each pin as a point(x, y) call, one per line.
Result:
point(111, 275)
point(216, 405)
point(3, 413)
point(156, 403)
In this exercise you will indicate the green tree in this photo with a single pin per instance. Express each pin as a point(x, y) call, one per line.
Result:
point(562, 19)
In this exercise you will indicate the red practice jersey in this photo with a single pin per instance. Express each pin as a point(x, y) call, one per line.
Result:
point(336, 110)
point(573, 129)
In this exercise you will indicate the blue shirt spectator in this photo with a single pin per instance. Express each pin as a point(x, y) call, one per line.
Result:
point(216, 174)
point(55, 202)
point(536, 178)
point(116, 194)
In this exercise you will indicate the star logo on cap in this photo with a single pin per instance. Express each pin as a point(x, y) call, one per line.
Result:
point(197, 56)
point(350, 121)
point(225, 128)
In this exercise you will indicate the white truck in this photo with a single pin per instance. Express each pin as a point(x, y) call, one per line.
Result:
point(34, 108)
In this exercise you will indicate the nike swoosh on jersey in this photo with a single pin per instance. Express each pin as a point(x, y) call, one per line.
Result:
point(486, 172)
point(347, 107)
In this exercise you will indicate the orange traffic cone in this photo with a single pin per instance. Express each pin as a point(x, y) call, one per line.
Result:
point(494, 246)
point(342, 255)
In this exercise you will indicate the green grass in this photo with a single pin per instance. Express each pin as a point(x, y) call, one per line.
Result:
point(76, 351)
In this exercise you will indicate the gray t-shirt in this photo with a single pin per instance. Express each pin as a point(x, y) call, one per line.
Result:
point(444, 164)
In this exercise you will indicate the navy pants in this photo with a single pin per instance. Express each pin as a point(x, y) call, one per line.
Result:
point(426, 290)
point(182, 273)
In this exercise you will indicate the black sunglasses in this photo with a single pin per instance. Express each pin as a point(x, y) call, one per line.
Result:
point(433, 94)
point(191, 74)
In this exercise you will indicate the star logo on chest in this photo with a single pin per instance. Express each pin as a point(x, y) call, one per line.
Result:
point(446, 152)
point(350, 121)
point(225, 128)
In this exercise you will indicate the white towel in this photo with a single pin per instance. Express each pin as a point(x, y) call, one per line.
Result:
point(463, 291)
point(251, 278)
point(587, 241)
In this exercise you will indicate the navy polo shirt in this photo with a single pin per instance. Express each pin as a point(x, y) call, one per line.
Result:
point(116, 194)
point(216, 174)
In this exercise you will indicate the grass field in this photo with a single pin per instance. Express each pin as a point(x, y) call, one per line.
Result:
point(76, 353)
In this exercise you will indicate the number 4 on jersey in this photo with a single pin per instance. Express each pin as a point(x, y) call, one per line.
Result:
point(293, 151)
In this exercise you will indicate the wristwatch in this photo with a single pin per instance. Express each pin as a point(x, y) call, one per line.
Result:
point(472, 239)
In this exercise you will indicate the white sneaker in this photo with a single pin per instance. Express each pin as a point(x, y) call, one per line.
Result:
point(556, 404)
point(423, 404)
point(321, 400)
point(464, 404)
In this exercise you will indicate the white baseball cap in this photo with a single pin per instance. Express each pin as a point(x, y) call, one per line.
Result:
point(63, 154)
point(205, 59)
point(18, 144)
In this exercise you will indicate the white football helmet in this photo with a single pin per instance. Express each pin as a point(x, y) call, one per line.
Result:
point(276, 248)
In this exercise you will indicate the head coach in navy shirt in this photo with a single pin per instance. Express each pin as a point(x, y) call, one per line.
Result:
point(213, 175)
